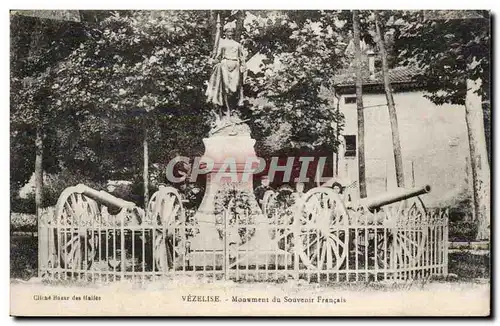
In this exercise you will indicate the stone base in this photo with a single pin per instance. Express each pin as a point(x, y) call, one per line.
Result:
point(210, 244)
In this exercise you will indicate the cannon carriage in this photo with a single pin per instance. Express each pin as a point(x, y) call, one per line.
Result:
point(95, 231)
point(383, 233)
point(84, 224)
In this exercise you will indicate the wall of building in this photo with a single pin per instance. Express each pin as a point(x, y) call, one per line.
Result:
point(433, 141)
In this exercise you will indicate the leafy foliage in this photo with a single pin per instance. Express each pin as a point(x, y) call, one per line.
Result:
point(128, 71)
point(444, 51)
point(143, 69)
point(302, 54)
point(36, 46)
point(143, 61)
point(23, 257)
point(467, 265)
point(239, 207)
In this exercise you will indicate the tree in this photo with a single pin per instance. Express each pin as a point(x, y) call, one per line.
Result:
point(129, 70)
point(155, 63)
point(359, 105)
point(37, 45)
point(396, 144)
point(453, 54)
point(301, 52)
point(142, 66)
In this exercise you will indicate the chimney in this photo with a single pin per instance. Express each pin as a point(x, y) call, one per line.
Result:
point(371, 62)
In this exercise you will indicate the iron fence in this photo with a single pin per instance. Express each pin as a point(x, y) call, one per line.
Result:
point(85, 242)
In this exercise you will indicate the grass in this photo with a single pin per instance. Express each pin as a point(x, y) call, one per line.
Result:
point(23, 256)
point(467, 265)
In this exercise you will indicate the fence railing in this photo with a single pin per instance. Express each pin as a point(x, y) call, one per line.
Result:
point(391, 244)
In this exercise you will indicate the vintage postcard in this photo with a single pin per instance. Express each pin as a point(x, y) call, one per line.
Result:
point(250, 162)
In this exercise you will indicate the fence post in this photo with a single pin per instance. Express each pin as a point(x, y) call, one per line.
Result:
point(226, 249)
point(122, 246)
point(42, 240)
point(445, 244)
point(296, 225)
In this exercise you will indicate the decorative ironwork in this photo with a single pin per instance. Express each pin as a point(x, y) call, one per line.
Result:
point(311, 236)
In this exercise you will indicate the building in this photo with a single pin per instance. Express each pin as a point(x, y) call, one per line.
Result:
point(433, 138)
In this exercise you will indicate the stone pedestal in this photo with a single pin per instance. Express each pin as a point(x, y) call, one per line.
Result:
point(220, 149)
point(216, 239)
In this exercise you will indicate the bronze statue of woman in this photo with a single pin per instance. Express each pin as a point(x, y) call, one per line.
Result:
point(225, 87)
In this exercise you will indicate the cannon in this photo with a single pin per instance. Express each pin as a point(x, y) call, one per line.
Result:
point(326, 198)
point(103, 197)
point(80, 206)
point(91, 225)
point(324, 231)
point(82, 222)
point(375, 203)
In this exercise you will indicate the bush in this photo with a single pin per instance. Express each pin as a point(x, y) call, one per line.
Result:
point(461, 210)
point(22, 222)
point(23, 205)
point(52, 189)
point(135, 192)
point(56, 185)
point(23, 256)
point(462, 231)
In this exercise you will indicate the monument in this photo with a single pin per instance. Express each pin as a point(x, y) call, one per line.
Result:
point(229, 207)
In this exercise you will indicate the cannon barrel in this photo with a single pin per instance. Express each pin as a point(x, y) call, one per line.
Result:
point(103, 197)
point(374, 203)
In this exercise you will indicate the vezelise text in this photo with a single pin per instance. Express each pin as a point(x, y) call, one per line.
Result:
point(200, 298)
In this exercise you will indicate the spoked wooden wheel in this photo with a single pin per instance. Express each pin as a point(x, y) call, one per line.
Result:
point(77, 243)
point(413, 207)
point(409, 239)
point(409, 246)
point(166, 213)
point(320, 238)
point(374, 251)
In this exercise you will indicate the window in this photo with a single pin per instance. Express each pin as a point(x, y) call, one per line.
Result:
point(350, 99)
point(350, 145)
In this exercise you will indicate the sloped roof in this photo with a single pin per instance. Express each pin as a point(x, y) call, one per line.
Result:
point(398, 75)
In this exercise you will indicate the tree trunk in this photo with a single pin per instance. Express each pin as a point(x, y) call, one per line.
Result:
point(470, 189)
point(337, 134)
point(42, 238)
point(359, 105)
point(38, 172)
point(487, 127)
point(396, 144)
point(479, 159)
point(146, 167)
